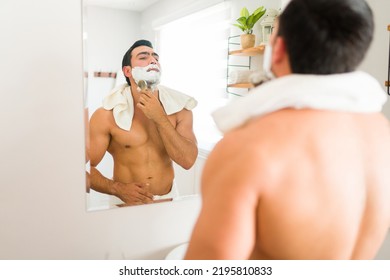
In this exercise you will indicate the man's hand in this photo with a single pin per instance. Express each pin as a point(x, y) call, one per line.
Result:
point(134, 193)
point(151, 106)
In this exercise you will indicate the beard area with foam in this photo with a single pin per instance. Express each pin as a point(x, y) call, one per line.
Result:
point(146, 77)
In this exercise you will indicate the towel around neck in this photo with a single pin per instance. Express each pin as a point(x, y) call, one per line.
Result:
point(120, 101)
point(349, 92)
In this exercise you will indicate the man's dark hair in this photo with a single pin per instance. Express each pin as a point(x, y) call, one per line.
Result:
point(326, 36)
point(126, 61)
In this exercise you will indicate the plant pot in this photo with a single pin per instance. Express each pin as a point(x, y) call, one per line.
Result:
point(248, 40)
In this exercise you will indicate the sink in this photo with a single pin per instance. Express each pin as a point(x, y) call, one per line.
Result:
point(178, 252)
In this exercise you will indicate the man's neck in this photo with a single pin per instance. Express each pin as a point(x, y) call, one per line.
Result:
point(134, 92)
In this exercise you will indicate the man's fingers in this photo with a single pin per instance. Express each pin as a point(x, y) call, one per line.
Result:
point(144, 190)
point(142, 100)
point(140, 198)
point(146, 93)
point(145, 198)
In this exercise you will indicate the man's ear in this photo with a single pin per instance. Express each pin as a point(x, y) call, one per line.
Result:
point(127, 71)
point(279, 50)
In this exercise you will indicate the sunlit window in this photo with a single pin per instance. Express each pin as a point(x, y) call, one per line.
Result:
point(193, 52)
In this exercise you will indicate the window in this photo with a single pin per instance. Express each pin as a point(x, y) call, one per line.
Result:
point(193, 52)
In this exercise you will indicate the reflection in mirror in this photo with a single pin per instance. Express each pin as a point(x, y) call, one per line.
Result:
point(158, 147)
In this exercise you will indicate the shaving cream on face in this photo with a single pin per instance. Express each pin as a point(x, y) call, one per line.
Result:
point(152, 77)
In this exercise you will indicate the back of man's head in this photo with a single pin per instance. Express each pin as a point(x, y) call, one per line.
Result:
point(326, 36)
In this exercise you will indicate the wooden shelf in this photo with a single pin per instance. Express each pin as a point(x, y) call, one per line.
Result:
point(245, 54)
point(388, 27)
point(249, 52)
point(387, 84)
point(243, 85)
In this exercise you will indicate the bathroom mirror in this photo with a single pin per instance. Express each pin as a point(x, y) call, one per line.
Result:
point(111, 27)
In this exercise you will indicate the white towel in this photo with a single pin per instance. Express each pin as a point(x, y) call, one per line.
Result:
point(120, 78)
point(238, 77)
point(350, 92)
point(121, 102)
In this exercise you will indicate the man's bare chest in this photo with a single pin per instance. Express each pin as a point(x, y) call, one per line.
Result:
point(142, 132)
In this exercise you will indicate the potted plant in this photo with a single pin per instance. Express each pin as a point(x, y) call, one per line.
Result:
point(246, 23)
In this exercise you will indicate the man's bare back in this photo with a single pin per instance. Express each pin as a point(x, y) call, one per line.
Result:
point(303, 184)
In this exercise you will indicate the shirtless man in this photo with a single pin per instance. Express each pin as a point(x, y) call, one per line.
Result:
point(301, 183)
point(143, 155)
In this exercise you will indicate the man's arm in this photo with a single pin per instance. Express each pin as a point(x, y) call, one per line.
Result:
point(131, 193)
point(99, 137)
point(180, 142)
point(226, 226)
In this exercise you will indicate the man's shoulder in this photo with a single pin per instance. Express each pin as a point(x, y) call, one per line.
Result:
point(288, 121)
point(101, 112)
point(244, 149)
point(264, 142)
point(102, 116)
point(184, 115)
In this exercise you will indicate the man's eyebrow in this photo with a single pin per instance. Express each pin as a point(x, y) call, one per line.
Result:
point(148, 53)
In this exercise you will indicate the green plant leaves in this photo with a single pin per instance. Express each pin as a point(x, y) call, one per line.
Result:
point(246, 21)
point(244, 12)
point(258, 13)
point(242, 21)
point(259, 10)
point(240, 26)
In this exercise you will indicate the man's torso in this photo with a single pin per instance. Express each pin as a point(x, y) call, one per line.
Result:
point(139, 155)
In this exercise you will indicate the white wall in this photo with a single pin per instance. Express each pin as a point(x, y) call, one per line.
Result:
point(42, 190)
